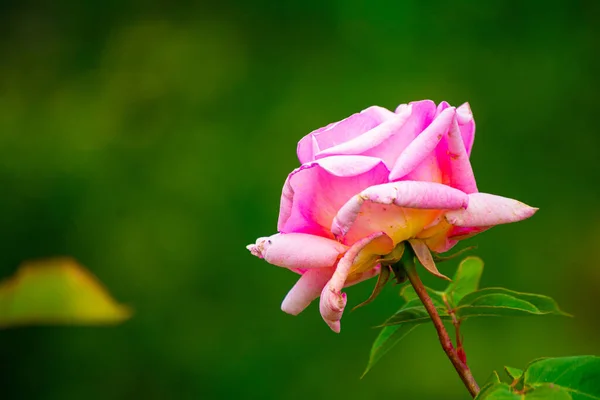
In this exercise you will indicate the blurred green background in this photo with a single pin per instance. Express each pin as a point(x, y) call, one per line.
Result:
point(150, 140)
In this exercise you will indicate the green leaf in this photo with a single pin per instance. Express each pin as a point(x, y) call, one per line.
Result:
point(56, 291)
point(492, 379)
point(566, 378)
point(411, 315)
point(547, 392)
point(498, 391)
point(388, 337)
point(513, 373)
point(409, 294)
point(579, 376)
point(414, 314)
point(504, 302)
point(466, 279)
point(462, 298)
point(503, 391)
point(489, 383)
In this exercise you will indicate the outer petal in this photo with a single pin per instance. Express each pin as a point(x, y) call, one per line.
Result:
point(454, 161)
point(378, 113)
point(486, 210)
point(307, 148)
point(311, 284)
point(298, 250)
point(466, 124)
point(462, 232)
point(417, 205)
point(308, 288)
point(314, 192)
point(340, 132)
point(373, 138)
point(423, 146)
point(389, 139)
point(444, 242)
point(363, 255)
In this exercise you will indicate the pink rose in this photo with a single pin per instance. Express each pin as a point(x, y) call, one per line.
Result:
point(370, 182)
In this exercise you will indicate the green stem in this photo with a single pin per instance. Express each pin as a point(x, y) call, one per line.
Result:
point(463, 370)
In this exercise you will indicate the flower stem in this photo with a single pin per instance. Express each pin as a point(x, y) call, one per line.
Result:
point(463, 370)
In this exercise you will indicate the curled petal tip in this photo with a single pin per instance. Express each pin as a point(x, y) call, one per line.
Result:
point(335, 326)
point(253, 249)
point(258, 249)
point(526, 211)
point(464, 114)
point(332, 307)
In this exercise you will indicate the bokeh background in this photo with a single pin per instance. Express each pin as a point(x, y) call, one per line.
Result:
point(150, 140)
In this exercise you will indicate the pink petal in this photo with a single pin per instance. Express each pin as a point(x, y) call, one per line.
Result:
point(404, 194)
point(466, 124)
point(401, 108)
point(447, 236)
point(454, 161)
point(314, 192)
point(462, 232)
point(390, 138)
point(298, 250)
point(365, 143)
point(487, 210)
point(311, 284)
point(364, 254)
point(307, 148)
point(423, 146)
point(440, 244)
point(362, 276)
point(308, 288)
point(378, 113)
point(441, 107)
point(340, 132)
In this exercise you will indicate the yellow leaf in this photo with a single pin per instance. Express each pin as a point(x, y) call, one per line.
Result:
point(57, 291)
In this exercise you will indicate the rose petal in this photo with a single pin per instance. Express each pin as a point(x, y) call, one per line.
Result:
point(380, 114)
point(340, 132)
point(454, 161)
point(486, 210)
point(307, 289)
point(462, 232)
point(441, 107)
point(466, 124)
point(307, 148)
point(314, 192)
point(390, 138)
point(423, 146)
point(401, 108)
point(311, 284)
point(405, 194)
point(358, 277)
point(365, 143)
point(447, 240)
point(363, 255)
point(298, 250)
